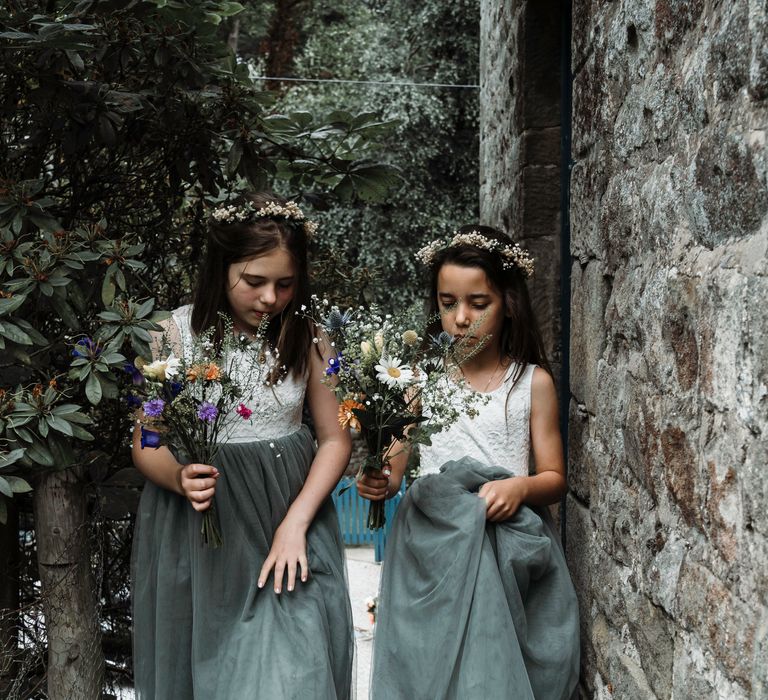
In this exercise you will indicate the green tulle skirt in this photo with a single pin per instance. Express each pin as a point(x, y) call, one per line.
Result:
point(470, 609)
point(202, 627)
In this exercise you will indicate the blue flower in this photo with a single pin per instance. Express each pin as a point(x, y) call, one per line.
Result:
point(86, 347)
point(175, 389)
point(207, 412)
point(334, 365)
point(133, 401)
point(149, 438)
point(136, 376)
point(154, 408)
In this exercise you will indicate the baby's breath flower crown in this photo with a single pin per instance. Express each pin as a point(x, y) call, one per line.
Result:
point(512, 255)
point(247, 212)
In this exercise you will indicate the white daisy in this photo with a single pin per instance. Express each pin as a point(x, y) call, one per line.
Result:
point(392, 373)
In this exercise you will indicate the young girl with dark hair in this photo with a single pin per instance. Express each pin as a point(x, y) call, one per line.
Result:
point(265, 615)
point(476, 600)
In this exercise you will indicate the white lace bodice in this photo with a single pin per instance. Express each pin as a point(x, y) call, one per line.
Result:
point(276, 409)
point(489, 437)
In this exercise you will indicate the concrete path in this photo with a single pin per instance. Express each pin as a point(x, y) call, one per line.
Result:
point(364, 575)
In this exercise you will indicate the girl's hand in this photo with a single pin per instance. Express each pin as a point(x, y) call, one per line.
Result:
point(376, 485)
point(288, 551)
point(198, 482)
point(503, 497)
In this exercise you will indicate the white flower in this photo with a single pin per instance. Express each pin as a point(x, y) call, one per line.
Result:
point(162, 369)
point(392, 373)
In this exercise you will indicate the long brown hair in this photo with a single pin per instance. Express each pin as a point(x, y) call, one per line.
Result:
point(232, 242)
point(521, 339)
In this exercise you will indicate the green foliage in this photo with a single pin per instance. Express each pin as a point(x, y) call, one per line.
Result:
point(434, 142)
point(120, 124)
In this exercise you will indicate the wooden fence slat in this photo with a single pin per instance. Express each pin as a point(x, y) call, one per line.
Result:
point(352, 512)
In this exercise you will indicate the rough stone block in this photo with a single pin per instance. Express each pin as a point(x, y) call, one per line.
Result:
point(589, 296)
point(541, 146)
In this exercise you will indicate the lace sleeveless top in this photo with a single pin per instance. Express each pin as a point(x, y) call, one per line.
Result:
point(490, 437)
point(276, 409)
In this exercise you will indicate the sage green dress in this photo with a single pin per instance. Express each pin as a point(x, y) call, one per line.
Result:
point(470, 609)
point(202, 627)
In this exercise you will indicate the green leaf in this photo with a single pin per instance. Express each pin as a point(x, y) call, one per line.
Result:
point(9, 458)
point(60, 425)
point(227, 9)
point(39, 455)
point(145, 308)
point(7, 306)
point(5, 487)
point(18, 485)
point(66, 313)
point(93, 389)
point(15, 334)
point(108, 287)
point(235, 154)
point(81, 434)
point(3, 512)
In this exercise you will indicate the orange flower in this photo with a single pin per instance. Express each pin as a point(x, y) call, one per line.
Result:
point(37, 390)
point(346, 416)
point(53, 383)
point(212, 372)
point(193, 373)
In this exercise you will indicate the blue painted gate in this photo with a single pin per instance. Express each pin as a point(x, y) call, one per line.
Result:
point(353, 512)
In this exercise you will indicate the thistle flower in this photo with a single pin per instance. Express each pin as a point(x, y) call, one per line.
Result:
point(443, 341)
point(336, 320)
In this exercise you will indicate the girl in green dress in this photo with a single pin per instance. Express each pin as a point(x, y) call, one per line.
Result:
point(266, 614)
point(476, 600)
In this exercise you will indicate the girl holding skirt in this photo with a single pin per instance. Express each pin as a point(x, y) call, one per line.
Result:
point(266, 614)
point(475, 598)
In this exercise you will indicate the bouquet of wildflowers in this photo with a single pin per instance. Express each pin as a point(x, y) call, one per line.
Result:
point(190, 403)
point(391, 384)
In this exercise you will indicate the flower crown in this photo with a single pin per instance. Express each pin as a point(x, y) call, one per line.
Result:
point(230, 214)
point(512, 255)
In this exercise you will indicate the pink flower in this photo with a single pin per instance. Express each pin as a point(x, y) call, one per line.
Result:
point(243, 411)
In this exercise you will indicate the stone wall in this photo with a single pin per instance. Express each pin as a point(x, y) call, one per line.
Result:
point(668, 513)
point(668, 518)
point(520, 141)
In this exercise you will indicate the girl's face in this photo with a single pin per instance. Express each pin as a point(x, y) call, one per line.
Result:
point(470, 307)
point(260, 286)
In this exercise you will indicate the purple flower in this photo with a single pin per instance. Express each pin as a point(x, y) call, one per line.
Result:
point(154, 408)
point(149, 438)
point(136, 376)
point(133, 401)
point(207, 412)
point(86, 348)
